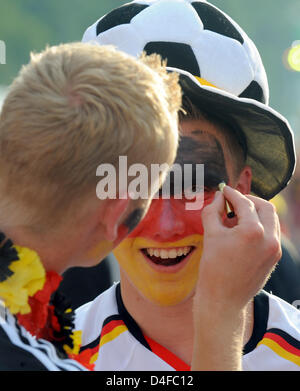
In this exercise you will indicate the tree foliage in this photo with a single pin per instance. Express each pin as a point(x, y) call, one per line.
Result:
point(29, 25)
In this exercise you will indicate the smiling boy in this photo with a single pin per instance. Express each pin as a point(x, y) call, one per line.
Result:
point(191, 280)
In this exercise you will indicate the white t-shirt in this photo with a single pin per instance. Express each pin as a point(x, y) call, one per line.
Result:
point(109, 329)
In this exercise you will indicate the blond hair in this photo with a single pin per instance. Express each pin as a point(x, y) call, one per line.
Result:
point(72, 108)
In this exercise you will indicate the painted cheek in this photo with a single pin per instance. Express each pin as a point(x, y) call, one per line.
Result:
point(164, 289)
point(193, 218)
point(100, 250)
point(165, 217)
point(164, 222)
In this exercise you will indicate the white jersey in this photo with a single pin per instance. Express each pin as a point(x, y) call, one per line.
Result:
point(20, 351)
point(109, 329)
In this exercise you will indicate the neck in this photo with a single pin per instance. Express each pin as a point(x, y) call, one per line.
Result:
point(52, 257)
point(171, 327)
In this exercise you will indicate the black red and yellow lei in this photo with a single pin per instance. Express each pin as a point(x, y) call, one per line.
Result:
point(29, 292)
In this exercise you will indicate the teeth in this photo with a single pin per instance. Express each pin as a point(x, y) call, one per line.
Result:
point(164, 254)
point(172, 253)
point(168, 253)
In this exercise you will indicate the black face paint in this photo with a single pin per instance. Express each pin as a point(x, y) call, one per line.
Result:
point(207, 151)
point(133, 219)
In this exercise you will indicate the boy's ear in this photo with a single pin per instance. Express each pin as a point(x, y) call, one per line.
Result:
point(244, 181)
point(114, 214)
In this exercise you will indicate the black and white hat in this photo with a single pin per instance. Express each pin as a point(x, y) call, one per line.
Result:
point(220, 71)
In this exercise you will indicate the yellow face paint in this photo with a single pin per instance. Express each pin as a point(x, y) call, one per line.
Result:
point(100, 250)
point(164, 286)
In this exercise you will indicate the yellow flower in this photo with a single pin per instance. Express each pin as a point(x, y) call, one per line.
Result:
point(28, 277)
point(76, 337)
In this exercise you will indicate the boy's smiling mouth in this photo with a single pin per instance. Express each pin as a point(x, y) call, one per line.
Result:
point(167, 256)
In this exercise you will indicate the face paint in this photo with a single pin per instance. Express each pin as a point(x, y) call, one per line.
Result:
point(161, 256)
point(100, 250)
point(133, 219)
point(209, 152)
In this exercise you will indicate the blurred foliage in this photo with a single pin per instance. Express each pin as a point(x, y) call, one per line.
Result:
point(28, 25)
point(273, 25)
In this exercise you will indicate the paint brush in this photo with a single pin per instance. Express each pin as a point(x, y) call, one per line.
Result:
point(229, 210)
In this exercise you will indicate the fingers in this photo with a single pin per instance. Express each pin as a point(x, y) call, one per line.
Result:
point(244, 207)
point(258, 219)
point(266, 212)
point(255, 215)
point(212, 215)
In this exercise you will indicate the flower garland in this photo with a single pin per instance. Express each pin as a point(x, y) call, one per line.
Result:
point(29, 293)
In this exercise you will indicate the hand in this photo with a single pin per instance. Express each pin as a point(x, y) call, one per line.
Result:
point(237, 261)
point(235, 265)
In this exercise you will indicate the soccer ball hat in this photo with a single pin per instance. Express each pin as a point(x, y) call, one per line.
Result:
point(220, 71)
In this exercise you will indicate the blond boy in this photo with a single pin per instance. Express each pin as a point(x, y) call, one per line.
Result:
point(73, 108)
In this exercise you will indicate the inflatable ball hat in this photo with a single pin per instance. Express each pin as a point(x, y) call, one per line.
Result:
point(220, 71)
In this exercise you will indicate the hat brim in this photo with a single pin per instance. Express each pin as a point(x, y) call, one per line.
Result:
point(266, 134)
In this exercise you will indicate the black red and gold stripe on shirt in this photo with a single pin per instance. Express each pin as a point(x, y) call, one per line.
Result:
point(280, 342)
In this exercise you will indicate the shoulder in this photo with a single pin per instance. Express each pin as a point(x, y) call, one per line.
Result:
point(275, 343)
point(89, 317)
point(285, 279)
point(284, 316)
point(25, 352)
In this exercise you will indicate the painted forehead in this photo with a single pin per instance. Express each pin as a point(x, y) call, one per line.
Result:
point(201, 147)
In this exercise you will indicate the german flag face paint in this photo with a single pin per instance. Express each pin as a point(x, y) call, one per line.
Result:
point(161, 256)
point(104, 247)
point(100, 250)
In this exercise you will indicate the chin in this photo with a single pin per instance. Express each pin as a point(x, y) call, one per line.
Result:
point(168, 299)
point(163, 273)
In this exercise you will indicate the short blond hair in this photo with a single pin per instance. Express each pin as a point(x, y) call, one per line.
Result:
point(72, 108)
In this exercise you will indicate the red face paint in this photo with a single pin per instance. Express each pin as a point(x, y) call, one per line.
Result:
point(168, 220)
point(160, 258)
point(175, 235)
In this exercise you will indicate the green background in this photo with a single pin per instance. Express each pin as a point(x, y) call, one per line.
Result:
point(28, 25)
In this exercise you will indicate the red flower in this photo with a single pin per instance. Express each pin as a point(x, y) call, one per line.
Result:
point(36, 322)
point(42, 322)
point(84, 358)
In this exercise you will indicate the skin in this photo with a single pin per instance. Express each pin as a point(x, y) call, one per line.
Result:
point(100, 227)
point(228, 285)
point(169, 297)
point(168, 225)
